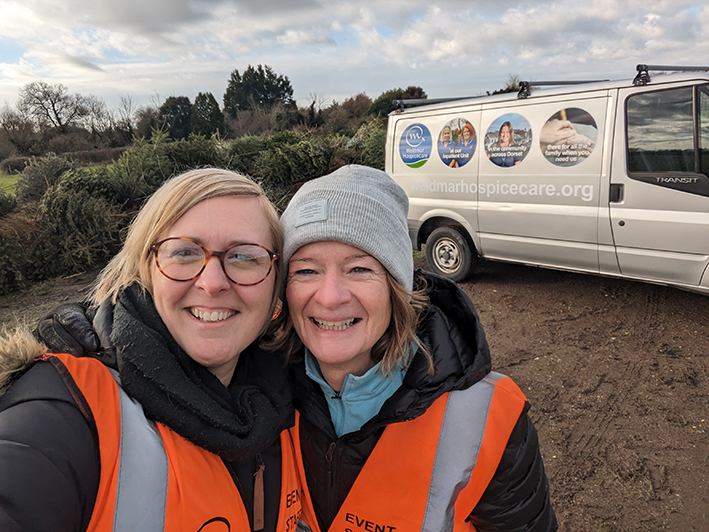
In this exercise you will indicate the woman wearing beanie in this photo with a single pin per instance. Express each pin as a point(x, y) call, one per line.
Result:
point(402, 426)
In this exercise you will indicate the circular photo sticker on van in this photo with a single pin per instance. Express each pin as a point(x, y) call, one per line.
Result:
point(508, 140)
point(457, 142)
point(568, 137)
point(415, 145)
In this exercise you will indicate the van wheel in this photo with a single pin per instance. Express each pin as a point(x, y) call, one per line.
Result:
point(448, 254)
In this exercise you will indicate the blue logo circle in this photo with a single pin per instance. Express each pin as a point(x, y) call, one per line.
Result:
point(415, 145)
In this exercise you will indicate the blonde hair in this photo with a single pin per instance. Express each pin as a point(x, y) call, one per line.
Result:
point(171, 201)
point(17, 351)
point(394, 345)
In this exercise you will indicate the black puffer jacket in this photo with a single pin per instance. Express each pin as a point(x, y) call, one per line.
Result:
point(516, 499)
point(49, 449)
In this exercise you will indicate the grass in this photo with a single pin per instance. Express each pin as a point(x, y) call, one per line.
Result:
point(8, 182)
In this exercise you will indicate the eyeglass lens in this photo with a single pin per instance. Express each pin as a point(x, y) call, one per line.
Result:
point(183, 260)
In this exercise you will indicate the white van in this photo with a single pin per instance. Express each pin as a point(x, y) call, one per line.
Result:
point(608, 178)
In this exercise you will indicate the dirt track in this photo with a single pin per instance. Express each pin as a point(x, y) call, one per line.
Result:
point(616, 373)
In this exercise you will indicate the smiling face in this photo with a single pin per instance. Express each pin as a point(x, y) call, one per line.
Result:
point(339, 301)
point(505, 136)
point(211, 318)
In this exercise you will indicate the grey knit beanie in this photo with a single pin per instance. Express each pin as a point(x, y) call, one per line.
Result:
point(357, 205)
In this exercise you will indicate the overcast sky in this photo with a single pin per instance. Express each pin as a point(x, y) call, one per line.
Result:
point(331, 50)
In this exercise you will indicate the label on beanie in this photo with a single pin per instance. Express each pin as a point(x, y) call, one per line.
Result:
point(314, 211)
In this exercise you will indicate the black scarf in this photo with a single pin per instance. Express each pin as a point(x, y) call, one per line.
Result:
point(235, 422)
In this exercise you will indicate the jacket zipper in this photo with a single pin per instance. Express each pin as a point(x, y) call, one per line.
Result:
point(259, 501)
point(331, 472)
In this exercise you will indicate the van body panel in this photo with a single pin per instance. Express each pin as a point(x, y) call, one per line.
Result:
point(421, 212)
point(577, 178)
point(537, 251)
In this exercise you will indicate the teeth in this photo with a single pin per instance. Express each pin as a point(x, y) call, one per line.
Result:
point(212, 316)
point(334, 325)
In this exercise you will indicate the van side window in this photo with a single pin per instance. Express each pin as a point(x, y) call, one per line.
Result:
point(661, 131)
point(668, 138)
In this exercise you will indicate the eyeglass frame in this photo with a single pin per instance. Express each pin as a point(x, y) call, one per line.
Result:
point(208, 254)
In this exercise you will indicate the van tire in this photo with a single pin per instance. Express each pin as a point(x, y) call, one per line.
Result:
point(449, 254)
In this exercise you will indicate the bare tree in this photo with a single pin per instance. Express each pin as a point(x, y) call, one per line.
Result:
point(19, 129)
point(97, 119)
point(51, 105)
point(126, 114)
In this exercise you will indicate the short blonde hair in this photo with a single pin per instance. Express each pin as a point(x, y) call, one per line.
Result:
point(394, 345)
point(170, 202)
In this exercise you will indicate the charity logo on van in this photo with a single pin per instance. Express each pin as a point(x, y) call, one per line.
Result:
point(415, 145)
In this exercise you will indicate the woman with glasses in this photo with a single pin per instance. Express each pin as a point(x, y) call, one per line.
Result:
point(180, 423)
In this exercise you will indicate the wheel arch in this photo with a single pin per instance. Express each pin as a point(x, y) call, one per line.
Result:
point(447, 219)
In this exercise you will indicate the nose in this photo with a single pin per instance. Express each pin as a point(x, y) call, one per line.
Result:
point(332, 291)
point(213, 279)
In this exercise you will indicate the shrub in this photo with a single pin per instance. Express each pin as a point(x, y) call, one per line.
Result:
point(252, 122)
point(98, 181)
point(195, 152)
point(365, 147)
point(241, 154)
point(282, 138)
point(281, 167)
point(103, 155)
point(11, 262)
point(68, 142)
point(147, 164)
point(6, 148)
point(19, 231)
point(293, 163)
point(15, 165)
point(39, 175)
point(82, 232)
point(8, 202)
point(374, 148)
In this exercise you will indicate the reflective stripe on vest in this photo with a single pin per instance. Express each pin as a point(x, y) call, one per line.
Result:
point(152, 478)
point(428, 474)
point(141, 489)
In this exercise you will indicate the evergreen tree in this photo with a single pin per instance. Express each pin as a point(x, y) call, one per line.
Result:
point(175, 117)
point(258, 87)
point(207, 118)
point(384, 104)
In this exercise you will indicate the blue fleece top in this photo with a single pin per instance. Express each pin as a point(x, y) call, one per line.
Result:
point(361, 398)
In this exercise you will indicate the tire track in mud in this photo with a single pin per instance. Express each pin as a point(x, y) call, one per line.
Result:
point(608, 412)
point(613, 389)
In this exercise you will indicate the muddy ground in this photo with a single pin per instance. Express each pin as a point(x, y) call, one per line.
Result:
point(616, 373)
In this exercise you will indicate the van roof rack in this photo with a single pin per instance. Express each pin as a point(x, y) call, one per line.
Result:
point(524, 86)
point(401, 104)
point(643, 76)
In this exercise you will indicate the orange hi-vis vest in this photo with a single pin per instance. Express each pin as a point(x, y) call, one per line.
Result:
point(154, 479)
point(429, 473)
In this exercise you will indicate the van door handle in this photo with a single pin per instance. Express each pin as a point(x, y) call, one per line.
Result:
point(616, 193)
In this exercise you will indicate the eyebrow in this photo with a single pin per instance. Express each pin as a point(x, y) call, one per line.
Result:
point(348, 258)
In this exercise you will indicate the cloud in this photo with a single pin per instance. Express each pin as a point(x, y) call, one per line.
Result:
point(78, 62)
point(339, 49)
